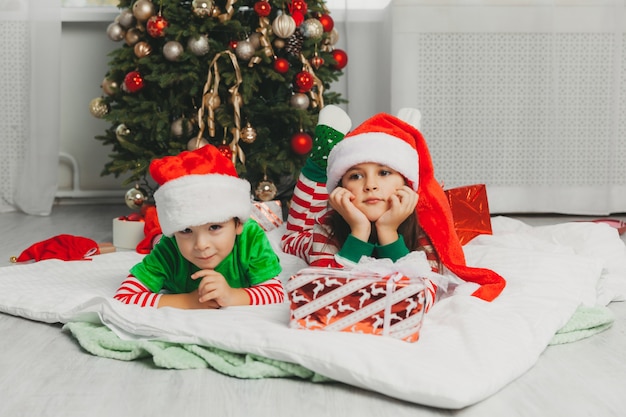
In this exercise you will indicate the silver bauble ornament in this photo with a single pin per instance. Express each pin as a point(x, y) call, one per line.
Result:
point(198, 45)
point(245, 50)
point(126, 19)
point(196, 143)
point(181, 126)
point(115, 32)
point(98, 107)
point(121, 131)
point(312, 28)
point(283, 26)
point(133, 35)
point(248, 134)
point(265, 190)
point(202, 8)
point(142, 49)
point(109, 87)
point(300, 101)
point(143, 9)
point(135, 197)
point(173, 50)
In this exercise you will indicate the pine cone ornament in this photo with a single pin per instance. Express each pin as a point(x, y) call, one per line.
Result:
point(294, 43)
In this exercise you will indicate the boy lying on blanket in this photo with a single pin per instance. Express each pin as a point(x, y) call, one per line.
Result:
point(211, 255)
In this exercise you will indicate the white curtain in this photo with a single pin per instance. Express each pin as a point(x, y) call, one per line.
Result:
point(29, 104)
point(527, 96)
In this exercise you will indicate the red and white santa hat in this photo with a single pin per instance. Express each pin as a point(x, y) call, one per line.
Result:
point(382, 139)
point(198, 187)
point(397, 143)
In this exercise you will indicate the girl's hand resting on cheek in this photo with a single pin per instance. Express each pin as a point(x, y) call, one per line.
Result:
point(401, 205)
point(341, 200)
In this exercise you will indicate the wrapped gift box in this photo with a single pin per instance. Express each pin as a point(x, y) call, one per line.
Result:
point(127, 232)
point(358, 302)
point(269, 214)
point(470, 211)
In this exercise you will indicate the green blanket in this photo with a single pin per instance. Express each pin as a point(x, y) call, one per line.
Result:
point(585, 322)
point(99, 340)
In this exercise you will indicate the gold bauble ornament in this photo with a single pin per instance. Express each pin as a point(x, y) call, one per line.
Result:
point(173, 50)
point(133, 35)
point(248, 133)
point(115, 32)
point(300, 101)
point(265, 190)
point(143, 10)
point(109, 87)
point(198, 45)
point(279, 43)
point(284, 26)
point(202, 8)
point(98, 107)
point(126, 18)
point(142, 49)
point(135, 197)
point(333, 36)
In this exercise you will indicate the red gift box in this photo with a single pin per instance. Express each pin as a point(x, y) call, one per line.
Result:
point(358, 302)
point(470, 211)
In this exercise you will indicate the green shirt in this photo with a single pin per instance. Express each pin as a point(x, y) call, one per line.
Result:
point(251, 262)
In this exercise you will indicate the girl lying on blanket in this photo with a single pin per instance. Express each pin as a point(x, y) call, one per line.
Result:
point(211, 255)
point(373, 193)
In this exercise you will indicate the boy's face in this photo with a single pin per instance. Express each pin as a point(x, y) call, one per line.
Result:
point(207, 245)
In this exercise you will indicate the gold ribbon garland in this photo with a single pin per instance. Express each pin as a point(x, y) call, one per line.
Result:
point(230, 11)
point(316, 99)
point(211, 100)
point(263, 30)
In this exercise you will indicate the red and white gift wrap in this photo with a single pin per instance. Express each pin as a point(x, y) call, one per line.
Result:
point(358, 302)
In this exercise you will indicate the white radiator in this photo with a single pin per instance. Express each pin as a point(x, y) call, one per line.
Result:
point(525, 96)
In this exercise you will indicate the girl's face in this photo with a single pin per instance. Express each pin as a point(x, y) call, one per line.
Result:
point(372, 184)
point(207, 245)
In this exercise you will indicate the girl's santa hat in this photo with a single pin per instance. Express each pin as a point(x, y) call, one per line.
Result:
point(198, 187)
point(387, 140)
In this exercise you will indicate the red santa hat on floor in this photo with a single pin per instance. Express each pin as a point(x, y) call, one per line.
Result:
point(198, 187)
point(387, 140)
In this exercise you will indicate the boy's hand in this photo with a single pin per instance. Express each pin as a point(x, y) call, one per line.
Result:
point(214, 287)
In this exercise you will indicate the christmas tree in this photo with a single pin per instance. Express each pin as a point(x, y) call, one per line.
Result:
point(248, 76)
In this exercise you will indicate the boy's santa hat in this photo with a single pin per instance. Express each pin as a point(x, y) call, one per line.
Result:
point(387, 140)
point(198, 187)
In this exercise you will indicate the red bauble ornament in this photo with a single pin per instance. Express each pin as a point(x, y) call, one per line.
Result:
point(262, 8)
point(133, 82)
point(299, 6)
point(281, 65)
point(301, 143)
point(298, 17)
point(225, 150)
point(341, 57)
point(327, 22)
point(156, 25)
point(303, 81)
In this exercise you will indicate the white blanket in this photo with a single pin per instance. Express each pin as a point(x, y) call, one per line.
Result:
point(468, 349)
